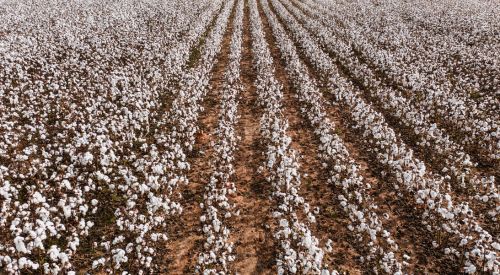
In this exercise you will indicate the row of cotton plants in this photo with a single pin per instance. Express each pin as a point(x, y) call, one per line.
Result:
point(447, 156)
point(298, 248)
point(439, 213)
point(376, 243)
point(180, 53)
point(194, 84)
point(428, 85)
point(217, 209)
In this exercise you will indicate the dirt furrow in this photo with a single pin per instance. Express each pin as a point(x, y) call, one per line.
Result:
point(253, 241)
point(186, 237)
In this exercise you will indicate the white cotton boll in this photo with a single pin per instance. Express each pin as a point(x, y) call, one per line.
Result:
point(463, 242)
point(38, 198)
point(130, 204)
point(490, 256)
point(105, 160)
point(81, 224)
point(5, 190)
point(158, 169)
point(119, 257)
point(73, 245)
point(138, 240)
point(154, 237)
point(118, 239)
point(283, 223)
point(316, 210)
point(129, 248)
point(97, 263)
point(37, 242)
point(470, 269)
point(83, 209)
point(20, 246)
point(450, 216)
point(66, 211)
point(476, 252)
point(87, 158)
point(164, 237)
point(216, 225)
point(66, 184)
point(53, 252)
point(328, 245)
point(22, 262)
point(5, 259)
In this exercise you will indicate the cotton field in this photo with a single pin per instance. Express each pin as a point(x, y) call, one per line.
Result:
point(249, 137)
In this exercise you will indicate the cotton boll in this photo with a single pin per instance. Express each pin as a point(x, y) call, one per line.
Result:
point(20, 246)
point(37, 198)
point(87, 158)
point(470, 269)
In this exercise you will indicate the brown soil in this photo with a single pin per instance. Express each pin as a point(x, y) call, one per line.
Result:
point(254, 245)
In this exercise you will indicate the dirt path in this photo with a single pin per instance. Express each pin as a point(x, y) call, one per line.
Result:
point(254, 245)
point(186, 237)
